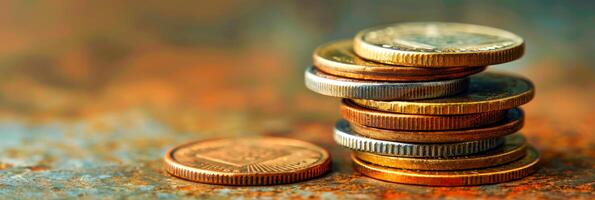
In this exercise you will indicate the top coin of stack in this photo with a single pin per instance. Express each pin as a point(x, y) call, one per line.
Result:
point(412, 102)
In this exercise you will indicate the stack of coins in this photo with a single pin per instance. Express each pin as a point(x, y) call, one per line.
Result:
point(416, 108)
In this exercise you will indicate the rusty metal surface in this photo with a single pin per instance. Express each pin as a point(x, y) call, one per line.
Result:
point(89, 106)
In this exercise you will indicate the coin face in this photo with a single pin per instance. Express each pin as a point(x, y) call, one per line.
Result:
point(247, 161)
point(514, 148)
point(338, 58)
point(437, 44)
point(511, 171)
point(487, 92)
point(511, 124)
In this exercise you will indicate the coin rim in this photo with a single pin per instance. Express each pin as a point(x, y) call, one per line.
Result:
point(454, 108)
point(355, 113)
point(513, 122)
point(383, 72)
point(437, 59)
point(491, 158)
point(528, 165)
point(177, 169)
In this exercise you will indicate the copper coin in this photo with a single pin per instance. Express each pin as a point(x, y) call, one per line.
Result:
point(247, 161)
point(511, 124)
point(487, 92)
point(503, 173)
point(379, 119)
point(515, 147)
point(437, 44)
point(337, 58)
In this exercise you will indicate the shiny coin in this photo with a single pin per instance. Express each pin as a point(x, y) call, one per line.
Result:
point(514, 148)
point(247, 161)
point(511, 124)
point(338, 59)
point(487, 92)
point(352, 88)
point(511, 171)
point(344, 136)
point(436, 44)
point(386, 120)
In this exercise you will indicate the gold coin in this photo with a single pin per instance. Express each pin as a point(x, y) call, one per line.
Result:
point(338, 58)
point(511, 124)
point(379, 119)
point(436, 44)
point(487, 92)
point(247, 161)
point(508, 172)
point(514, 148)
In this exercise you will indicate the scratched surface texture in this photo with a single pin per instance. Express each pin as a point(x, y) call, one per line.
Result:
point(93, 93)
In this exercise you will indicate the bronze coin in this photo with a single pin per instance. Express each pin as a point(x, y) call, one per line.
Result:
point(514, 148)
point(487, 92)
point(337, 58)
point(385, 120)
point(247, 161)
point(508, 172)
point(511, 124)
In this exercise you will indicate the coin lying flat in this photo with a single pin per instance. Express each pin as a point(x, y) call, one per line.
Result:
point(344, 136)
point(437, 44)
point(511, 124)
point(338, 58)
point(513, 149)
point(487, 92)
point(330, 85)
point(386, 120)
point(511, 171)
point(247, 161)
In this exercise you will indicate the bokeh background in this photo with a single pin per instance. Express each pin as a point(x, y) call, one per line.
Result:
point(86, 85)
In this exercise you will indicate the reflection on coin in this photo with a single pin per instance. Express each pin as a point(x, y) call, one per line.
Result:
point(511, 124)
point(511, 171)
point(386, 120)
point(487, 92)
point(514, 148)
point(247, 161)
point(436, 44)
point(344, 136)
point(330, 85)
point(338, 58)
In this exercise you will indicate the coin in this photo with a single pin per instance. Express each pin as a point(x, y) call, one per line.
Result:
point(338, 58)
point(247, 161)
point(436, 44)
point(344, 136)
point(511, 124)
point(386, 120)
point(353, 88)
point(514, 148)
point(487, 92)
point(511, 171)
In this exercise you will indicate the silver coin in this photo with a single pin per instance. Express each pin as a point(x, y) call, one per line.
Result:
point(330, 85)
point(346, 137)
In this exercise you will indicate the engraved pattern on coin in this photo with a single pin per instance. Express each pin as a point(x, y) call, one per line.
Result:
point(247, 156)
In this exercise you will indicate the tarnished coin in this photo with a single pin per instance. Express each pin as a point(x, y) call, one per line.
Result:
point(437, 44)
point(487, 92)
point(511, 171)
point(344, 136)
point(247, 161)
point(514, 148)
point(511, 124)
point(330, 85)
point(338, 58)
point(386, 120)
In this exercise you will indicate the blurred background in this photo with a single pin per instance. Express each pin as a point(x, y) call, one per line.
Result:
point(118, 81)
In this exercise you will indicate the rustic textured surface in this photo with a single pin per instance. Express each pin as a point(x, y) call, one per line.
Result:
point(92, 94)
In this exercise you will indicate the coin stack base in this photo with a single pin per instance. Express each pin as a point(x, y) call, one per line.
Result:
point(417, 110)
